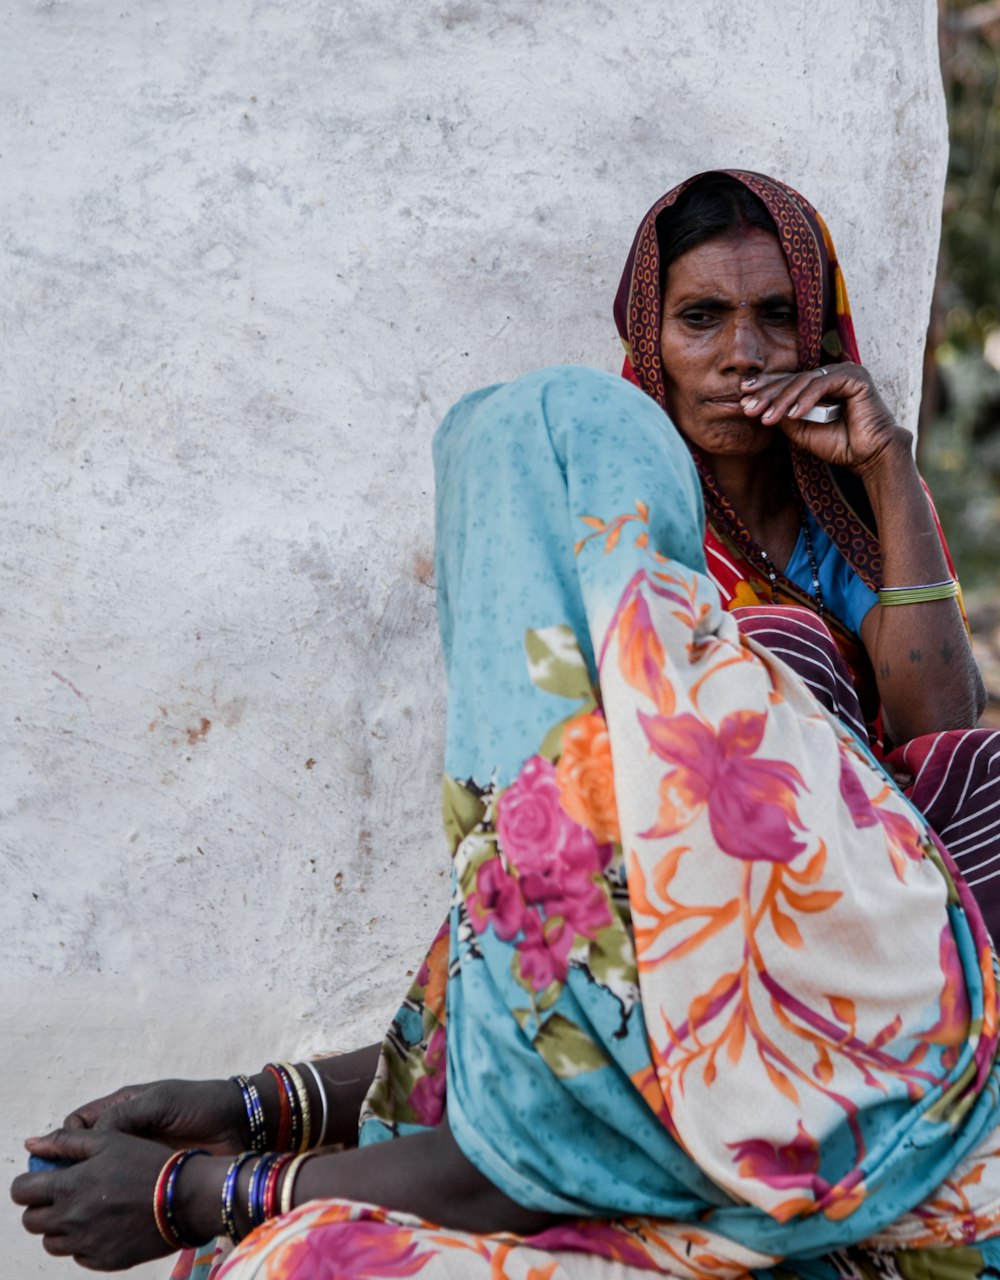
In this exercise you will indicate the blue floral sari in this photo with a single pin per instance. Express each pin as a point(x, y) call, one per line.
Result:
point(710, 988)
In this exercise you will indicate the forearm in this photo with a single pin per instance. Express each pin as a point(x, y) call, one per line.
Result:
point(425, 1174)
point(927, 677)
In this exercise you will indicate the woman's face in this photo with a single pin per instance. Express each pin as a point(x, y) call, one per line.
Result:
point(728, 313)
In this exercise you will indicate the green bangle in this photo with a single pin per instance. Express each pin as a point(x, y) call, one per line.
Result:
point(919, 595)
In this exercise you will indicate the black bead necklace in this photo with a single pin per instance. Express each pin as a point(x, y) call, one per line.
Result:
point(772, 573)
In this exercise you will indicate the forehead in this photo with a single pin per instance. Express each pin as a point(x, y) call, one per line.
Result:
point(738, 267)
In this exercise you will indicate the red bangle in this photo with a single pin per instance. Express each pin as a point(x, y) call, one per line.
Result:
point(284, 1138)
point(271, 1185)
point(163, 1198)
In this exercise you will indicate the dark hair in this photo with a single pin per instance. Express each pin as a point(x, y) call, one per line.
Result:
point(713, 207)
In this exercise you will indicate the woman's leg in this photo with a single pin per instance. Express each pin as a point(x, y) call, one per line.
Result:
point(956, 785)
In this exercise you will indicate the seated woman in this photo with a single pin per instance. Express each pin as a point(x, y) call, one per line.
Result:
point(711, 997)
point(734, 315)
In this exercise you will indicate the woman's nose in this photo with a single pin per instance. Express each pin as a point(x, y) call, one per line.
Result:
point(746, 352)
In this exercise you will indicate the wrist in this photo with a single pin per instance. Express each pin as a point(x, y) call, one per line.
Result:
point(290, 1100)
point(267, 1088)
point(891, 462)
point(197, 1196)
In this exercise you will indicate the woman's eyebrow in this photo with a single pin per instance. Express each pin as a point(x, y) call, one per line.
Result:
point(718, 301)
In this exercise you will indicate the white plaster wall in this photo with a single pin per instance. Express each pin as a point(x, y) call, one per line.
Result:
point(251, 251)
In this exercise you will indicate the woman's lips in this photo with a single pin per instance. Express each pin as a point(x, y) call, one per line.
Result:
point(729, 403)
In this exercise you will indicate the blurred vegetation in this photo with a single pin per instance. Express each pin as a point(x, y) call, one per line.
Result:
point(960, 421)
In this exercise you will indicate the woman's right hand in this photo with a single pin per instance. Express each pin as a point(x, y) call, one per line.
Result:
point(179, 1113)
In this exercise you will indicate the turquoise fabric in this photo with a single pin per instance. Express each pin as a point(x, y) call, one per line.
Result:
point(514, 466)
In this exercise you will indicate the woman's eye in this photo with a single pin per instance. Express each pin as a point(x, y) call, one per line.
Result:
point(782, 315)
point(698, 319)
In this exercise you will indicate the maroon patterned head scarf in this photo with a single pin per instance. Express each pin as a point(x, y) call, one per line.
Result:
point(825, 335)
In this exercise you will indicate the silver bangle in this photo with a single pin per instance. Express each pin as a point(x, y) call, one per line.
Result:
point(947, 582)
point(324, 1114)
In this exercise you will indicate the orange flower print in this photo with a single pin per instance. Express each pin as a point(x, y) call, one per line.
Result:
point(642, 655)
point(743, 597)
point(750, 801)
point(585, 777)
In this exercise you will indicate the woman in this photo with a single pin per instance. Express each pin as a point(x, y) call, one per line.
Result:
point(735, 319)
point(710, 999)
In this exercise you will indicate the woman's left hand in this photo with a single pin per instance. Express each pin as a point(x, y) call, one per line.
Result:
point(860, 439)
point(98, 1210)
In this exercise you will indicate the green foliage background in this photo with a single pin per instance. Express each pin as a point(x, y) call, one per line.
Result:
point(959, 440)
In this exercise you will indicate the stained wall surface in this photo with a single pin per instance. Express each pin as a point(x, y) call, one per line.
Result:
point(250, 251)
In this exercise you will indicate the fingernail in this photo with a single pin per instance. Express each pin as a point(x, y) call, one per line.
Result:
point(766, 417)
point(749, 382)
point(751, 403)
point(793, 411)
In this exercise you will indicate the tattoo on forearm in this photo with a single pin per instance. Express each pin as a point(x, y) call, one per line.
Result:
point(916, 655)
point(947, 652)
point(884, 670)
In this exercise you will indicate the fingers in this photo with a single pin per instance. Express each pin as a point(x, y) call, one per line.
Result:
point(774, 396)
point(87, 1116)
point(144, 1112)
point(59, 1247)
point(33, 1190)
point(98, 1210)
point(65, 1144)
point(34, 1220)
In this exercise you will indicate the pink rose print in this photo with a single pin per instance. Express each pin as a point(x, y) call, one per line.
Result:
point(544, 952)
point(750, 800)
point(535, 830)
point(551, 891)
point(427, 1097)
point(496, 900)
point(556, 858)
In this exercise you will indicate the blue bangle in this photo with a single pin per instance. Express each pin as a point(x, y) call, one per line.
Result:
point(255, 1112)
point(258, 1181)
point(229, 1196)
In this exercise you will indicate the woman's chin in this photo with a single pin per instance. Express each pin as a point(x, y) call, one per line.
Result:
point(733, 438)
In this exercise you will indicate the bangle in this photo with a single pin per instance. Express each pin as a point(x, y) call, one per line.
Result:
point(269, 1206)
point(163, 1198)
point(255, 1112)
point(229, 1195)
point(322, 1097)
point(261, 1192)
point(285, 1106)
point(947, 590)
point(288, 1183)
point(253, 1187)
point(305, 1113)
